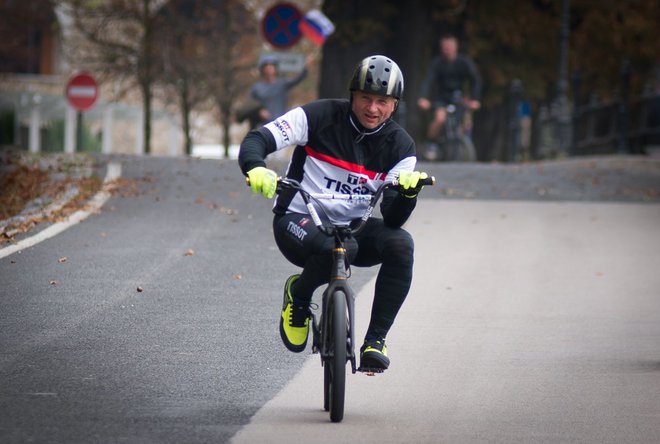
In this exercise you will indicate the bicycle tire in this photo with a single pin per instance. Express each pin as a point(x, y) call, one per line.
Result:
point(467, 151)
point(335, 368)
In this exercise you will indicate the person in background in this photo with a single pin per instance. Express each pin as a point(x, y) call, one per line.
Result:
point(449, 72)
point(271, 91)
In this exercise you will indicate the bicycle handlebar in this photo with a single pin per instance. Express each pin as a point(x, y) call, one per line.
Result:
point(391, 184)
point(334, 230)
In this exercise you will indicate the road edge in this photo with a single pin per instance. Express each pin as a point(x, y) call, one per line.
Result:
point(113, 172)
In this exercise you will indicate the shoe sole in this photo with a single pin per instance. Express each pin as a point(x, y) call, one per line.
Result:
point(374, 361)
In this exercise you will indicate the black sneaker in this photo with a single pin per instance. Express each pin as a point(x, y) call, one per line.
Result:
point(294, 321)
point(373, 355)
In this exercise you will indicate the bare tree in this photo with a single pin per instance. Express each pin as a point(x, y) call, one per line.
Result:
point(118, 42)
point(233, 42)
point(207, 48)
point(180, 66)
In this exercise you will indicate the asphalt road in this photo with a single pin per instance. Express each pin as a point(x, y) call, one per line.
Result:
point(535, 284)
point(527, 322)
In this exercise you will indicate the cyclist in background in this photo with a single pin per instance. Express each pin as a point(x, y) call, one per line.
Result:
point(342, 146)
point(448, 72)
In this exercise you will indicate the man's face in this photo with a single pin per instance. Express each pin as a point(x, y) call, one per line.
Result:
point(449, 48)
point(371, 109)
point(269, 72)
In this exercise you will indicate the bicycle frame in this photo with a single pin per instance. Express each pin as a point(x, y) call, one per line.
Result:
point(453, 130)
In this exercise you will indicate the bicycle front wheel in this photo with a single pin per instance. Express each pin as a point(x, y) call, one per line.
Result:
point(466, 150)
point(335, 365)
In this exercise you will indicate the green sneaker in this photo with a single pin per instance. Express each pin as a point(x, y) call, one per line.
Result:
point(373, 355)
point(294, 322)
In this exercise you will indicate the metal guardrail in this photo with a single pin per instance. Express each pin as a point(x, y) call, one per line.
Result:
point(614, 127)
point(617, 127)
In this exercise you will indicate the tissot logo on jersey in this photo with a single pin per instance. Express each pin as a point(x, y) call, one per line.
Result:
point(284, 128)
point(353, 185)
point(354, 179)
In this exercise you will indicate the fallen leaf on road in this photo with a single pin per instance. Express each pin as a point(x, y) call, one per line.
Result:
point(54, 282)
point(228, 211)
point(62, 260)
point(189, 252)
point(140, 289)
point(200, 198)
point(238, 277)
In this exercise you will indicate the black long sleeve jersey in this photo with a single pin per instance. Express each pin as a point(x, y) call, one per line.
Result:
point(443, 78)
point(335, 154)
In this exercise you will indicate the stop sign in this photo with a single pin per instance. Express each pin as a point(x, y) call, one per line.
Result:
point(82, 91)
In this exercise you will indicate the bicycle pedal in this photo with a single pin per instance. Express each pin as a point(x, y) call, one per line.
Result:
point(370, 371)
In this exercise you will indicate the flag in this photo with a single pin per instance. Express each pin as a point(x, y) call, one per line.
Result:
point(316, 27)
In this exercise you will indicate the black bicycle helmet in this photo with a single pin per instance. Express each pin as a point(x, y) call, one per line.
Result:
point(378, 75)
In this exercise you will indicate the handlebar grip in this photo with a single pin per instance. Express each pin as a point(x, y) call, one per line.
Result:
point(247, 181)
point(428, 181)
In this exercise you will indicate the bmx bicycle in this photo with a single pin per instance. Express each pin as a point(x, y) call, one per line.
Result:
point(333, 332)
point(453, 144)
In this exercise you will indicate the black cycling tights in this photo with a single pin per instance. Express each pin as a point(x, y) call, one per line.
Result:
point(303, 245)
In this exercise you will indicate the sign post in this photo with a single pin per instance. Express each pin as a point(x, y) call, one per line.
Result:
point(81, 92)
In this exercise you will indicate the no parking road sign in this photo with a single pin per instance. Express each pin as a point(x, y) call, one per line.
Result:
point(82, 91)
point(280, 25)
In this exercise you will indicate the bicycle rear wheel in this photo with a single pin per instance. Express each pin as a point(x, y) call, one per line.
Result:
point(334, 369)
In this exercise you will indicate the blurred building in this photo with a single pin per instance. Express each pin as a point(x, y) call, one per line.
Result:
point(34, 71)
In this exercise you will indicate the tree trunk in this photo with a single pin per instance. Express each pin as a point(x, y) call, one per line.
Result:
point(185, 115)
point(146, 124)
point(226, 123)
point(146, 75)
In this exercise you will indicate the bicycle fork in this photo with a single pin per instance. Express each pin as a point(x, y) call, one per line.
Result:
point(338, 285)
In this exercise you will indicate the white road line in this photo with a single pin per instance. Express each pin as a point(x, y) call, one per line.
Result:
point(113, 172)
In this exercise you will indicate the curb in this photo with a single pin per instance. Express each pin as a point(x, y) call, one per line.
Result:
point(95, 203)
